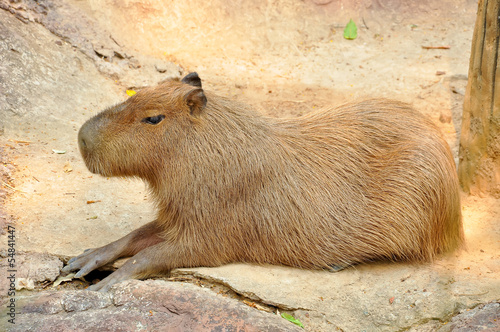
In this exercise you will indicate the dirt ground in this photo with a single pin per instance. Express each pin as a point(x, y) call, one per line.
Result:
point(284, 57)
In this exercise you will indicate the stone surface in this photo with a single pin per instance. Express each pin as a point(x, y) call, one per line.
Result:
point(6, 170)
point(60, 64)
point(152, 305)
point(485, 317)
point(48, 91)
point(71, 22)
point(31, 268)
point(482, 318)
point(375, 297)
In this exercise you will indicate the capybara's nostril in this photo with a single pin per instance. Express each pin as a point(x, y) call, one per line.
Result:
point(86, 136)
point(82, 140)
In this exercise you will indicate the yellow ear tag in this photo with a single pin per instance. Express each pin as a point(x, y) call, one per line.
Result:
point(130, 92)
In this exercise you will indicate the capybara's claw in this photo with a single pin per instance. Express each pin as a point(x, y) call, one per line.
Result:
point(105, 284)
point(70, 267)
point(129, 270)
point(84, 271)
point(71, 260)
point(77, 262)
point(90, 260)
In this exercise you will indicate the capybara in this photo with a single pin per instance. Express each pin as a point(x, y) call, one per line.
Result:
point(372, 180)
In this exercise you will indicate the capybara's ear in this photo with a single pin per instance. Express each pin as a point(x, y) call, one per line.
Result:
point(192, 79)
point(196, 101)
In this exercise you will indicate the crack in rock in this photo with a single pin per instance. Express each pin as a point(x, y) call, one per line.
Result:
point(246, 294)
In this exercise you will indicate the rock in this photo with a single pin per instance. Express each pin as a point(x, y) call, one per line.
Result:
point(152, 305)
point(27, 283)
point(103, 52)
point(6, 170)
point(83, 300)
point(167, 67)
point(321, 2)
point(357, 298)
point(75, 26)
point(30, 268)
point(458, 90)
point(38, 267)
point(482, 318)
point(112, 70)
point(485, 317)
point(445, 118)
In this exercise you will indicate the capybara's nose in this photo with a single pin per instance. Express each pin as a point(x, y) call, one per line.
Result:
point(85, 138)
point(83, 143)
point(82, 139)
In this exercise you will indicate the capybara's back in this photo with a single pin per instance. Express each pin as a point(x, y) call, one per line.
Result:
point(361, 182)
point(365, 181)
point(377, 180)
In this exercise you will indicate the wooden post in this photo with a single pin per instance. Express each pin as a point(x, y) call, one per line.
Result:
point(479, 154)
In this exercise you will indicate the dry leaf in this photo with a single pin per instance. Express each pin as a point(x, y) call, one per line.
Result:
point(60, 280)
point(67, 167)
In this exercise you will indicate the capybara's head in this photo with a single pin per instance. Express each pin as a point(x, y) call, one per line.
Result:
point(132, 138)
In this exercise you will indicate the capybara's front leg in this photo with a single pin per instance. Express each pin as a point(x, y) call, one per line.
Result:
point(128, 245)
point(156, 260)
point(149, 262)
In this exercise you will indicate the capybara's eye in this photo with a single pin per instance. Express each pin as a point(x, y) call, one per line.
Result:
point(153, 119)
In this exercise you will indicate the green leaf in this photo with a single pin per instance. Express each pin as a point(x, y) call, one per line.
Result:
point(351, 30)
point(292, 319)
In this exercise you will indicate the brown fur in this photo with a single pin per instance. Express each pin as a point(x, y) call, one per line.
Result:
point(364, 181)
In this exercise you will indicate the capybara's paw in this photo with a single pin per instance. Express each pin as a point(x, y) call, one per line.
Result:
point(105, 284)
point(139, 266)
point(88, 261)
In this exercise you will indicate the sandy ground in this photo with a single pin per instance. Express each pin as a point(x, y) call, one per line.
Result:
point(286, 58)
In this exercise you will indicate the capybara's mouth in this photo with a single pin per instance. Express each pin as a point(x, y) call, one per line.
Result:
point(94, 166)
point(94, 169)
